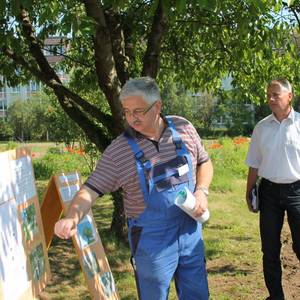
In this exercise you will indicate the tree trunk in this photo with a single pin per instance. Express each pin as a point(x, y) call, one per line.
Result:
point(118, 224)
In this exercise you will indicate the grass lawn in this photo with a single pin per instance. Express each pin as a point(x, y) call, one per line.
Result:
point(232, 250)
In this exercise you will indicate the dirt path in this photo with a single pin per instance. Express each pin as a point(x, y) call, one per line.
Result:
point(290, 267)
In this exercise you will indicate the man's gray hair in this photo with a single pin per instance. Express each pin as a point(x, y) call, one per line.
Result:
point(283, 82)
point(142, 86)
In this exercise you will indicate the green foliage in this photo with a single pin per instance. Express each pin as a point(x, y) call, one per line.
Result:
point(28, 118)
point(11, 145)
point(52, 164)
point(54, 150)
point(61, 127)
point(90, 152)
point(6, 131)
point(196, 107)
point(238, 115)
point(205, 40)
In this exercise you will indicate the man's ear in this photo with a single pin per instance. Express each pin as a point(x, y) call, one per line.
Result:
point(158, 105)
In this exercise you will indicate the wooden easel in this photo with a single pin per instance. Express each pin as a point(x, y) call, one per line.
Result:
point(94, 264)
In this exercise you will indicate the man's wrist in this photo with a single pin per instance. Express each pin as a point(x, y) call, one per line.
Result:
point(204, 190)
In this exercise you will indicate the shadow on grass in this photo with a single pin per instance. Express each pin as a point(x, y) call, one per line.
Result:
point(228, 270)
point(219, 227)
point(63, 261)
point(241, 238)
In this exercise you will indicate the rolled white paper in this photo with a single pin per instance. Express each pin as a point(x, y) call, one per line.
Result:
point(187, 201)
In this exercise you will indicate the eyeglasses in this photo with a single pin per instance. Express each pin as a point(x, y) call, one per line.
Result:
point(137, 113)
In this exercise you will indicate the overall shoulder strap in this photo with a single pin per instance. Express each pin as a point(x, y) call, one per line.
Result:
point(141, 163)
point(181, 149)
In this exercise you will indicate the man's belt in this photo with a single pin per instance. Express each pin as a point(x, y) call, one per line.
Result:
point(283, 185)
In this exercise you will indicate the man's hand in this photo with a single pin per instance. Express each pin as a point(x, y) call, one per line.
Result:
point(65, 228)
point(249, 201)
point(201, 203)
point(251, 180)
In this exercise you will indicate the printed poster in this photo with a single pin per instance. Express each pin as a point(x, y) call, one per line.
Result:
point(22, 175)
point(68, 192)
point(86, 232)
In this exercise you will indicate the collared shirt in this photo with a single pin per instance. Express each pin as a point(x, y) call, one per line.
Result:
point(117, 166)
point(275, 148)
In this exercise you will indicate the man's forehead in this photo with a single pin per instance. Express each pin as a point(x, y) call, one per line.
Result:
point(134, 100)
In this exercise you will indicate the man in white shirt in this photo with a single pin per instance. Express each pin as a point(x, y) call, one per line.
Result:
point(274, 155)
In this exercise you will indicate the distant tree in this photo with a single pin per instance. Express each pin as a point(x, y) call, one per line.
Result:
point(18, 117)
point(196, 107)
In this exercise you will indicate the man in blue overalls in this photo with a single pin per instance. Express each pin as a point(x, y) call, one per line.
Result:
point(152, 161)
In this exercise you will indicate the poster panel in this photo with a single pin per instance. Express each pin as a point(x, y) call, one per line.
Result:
point(88, 244)
point(23, 257)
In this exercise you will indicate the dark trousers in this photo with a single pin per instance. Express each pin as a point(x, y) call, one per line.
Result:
point(275, 199)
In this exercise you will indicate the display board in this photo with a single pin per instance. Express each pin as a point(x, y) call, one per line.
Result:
point(24, 265)
point(61, 190)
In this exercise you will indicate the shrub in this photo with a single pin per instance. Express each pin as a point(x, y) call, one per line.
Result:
point(11, 145)
point(54, 150)
point(53, 163)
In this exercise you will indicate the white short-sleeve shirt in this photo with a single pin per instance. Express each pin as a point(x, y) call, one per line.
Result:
point(275, 148)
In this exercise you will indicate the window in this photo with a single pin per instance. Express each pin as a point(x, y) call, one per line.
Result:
point(33, 86)
point(2, 92)
point(54, 50)
point(15, 89)
point(3, 104)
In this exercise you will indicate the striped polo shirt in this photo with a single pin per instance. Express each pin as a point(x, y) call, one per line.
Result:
point(117, 166)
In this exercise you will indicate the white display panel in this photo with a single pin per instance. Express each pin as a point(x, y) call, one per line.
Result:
point(13, 272)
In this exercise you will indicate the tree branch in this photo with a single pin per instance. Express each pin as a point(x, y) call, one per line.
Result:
point(93, 132)
point(118, 44)
point(90, 109)
point(35, 48)
point(294, 11)
point(152, 56)
point(48, 76)
point(70, 58)
point(105, 63)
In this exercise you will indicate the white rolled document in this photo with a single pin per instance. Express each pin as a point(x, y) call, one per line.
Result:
point(187, 201)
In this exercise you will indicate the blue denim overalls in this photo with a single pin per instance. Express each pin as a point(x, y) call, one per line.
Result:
point(165, 241)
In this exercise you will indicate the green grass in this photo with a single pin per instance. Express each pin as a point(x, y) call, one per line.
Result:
point(40, 148)
point(231, 237)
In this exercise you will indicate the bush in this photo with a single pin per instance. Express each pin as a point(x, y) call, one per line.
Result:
point(11, 145)
point(6, 131)
point(53, 163)
point(54, 150)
